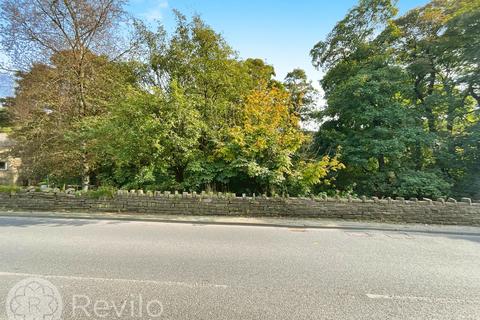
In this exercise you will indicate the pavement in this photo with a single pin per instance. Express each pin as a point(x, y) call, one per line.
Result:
point(280, 222)
point(120, 269)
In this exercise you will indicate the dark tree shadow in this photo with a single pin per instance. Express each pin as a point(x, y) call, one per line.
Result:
point(23, 222)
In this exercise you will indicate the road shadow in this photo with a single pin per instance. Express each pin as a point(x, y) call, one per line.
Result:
point(26, 221)
point(23, 222)
point(472, 238)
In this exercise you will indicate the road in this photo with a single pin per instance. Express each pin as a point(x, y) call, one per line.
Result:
point(240, 272)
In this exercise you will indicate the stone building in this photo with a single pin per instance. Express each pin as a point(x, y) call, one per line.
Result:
point(9, 166)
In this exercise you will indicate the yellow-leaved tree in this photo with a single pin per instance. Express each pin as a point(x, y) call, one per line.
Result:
point(261, 150)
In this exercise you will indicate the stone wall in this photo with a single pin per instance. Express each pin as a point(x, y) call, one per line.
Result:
point(464, 212)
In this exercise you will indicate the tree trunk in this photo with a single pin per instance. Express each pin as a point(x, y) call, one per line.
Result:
point(381, 162)
point(179, 174)
point(451, 110)
point(85, 168)
point(82, 114)
point(428, 108)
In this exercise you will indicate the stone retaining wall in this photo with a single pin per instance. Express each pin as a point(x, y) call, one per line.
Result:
point(464, 212)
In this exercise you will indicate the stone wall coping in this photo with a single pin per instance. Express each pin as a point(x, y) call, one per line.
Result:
point(281, 198)
point(399, 210)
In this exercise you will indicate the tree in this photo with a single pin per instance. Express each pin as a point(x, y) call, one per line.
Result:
point(33, 31)
point(177, 128)
point(46, 118)
point(260, 149)
point(368, 114)
point(201, 62)
point(213, 80)
point(258, 73)
point(302, 92)
point(149, 140)
point(428, 108)
point(462, 41)
point(468, 184)
point(439, 45)
point(360, 25)
point(5, 120)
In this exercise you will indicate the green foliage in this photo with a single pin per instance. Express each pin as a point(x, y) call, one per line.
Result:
point(9, 189)
point(260, 148)
point(400, 98)
point(101, 192)
point(401, 118)
point(5, 116)
point(302, 93)
point(311, 175)
point(468, 182)
point(420, 184)
point(200, 119)
point(352, 32)
point(439, 45)
point(151, 140)
point(48, 119)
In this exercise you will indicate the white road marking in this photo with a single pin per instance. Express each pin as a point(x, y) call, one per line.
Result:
point(167, 283)
point(387, 297)
point(416, 298)
point(401, 235)
point(358, 234)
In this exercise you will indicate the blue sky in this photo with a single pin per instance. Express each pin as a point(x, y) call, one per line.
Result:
point(282, 32)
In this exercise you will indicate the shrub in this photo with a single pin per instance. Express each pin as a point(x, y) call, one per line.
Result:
point(9, 189)
point(102, 192)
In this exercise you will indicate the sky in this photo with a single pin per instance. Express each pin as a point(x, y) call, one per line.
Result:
point(282, 32)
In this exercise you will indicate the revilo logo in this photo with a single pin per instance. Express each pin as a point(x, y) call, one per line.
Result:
point(34, 299)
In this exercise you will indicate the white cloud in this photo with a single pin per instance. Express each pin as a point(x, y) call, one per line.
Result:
point(155, 12)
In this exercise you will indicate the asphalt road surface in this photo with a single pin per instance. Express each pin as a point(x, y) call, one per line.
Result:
point(149, 270)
